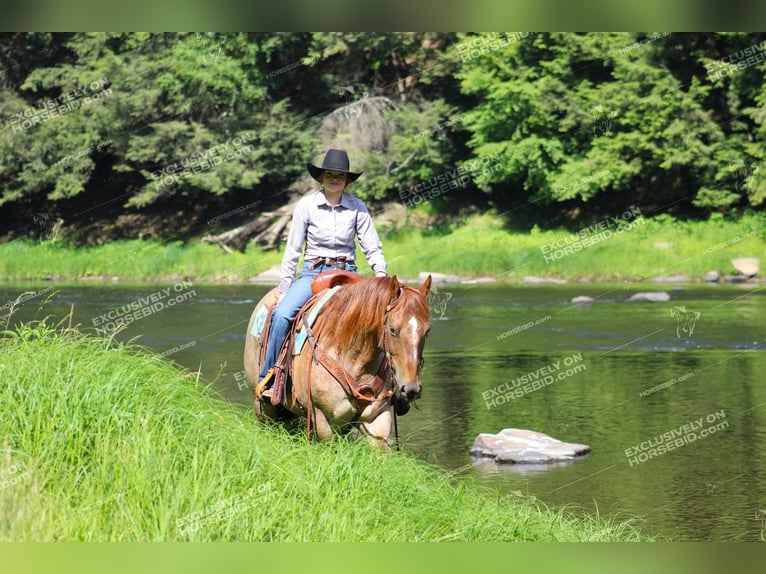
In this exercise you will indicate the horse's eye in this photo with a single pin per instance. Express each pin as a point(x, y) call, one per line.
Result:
point(394, 331)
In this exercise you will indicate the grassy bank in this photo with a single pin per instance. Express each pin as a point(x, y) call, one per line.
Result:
point(131, 261)
point(101, 442)
point(637, 249)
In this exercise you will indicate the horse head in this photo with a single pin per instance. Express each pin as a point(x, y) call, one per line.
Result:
point(405, 328)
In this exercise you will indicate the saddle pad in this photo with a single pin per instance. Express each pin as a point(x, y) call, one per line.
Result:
point(301, 335)
point(260, 320)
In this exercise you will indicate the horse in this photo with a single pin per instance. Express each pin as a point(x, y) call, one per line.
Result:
point(362, 358)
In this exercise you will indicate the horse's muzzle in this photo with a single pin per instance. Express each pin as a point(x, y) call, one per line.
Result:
point(410, 391)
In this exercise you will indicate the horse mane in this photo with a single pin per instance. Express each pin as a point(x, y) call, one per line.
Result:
point(354, 315)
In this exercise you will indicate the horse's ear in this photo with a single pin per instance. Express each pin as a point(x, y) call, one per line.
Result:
point(425, 287)
point(394, 285)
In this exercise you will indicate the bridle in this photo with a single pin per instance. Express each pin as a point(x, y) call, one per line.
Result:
point(383, 342)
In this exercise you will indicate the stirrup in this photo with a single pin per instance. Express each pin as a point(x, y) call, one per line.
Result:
point(260, 388)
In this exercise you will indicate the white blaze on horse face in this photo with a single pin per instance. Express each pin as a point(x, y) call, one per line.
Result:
point(413, 322)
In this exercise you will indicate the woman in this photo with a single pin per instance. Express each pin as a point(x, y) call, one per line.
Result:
point(326, 222)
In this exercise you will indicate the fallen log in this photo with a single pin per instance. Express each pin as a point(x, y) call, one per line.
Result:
point(269, 238)
point(267, 228)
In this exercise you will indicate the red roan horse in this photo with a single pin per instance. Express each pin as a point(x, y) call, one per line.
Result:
point(366, 351)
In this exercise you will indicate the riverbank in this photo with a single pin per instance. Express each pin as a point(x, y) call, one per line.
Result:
point(479, 248)
point(103, 442)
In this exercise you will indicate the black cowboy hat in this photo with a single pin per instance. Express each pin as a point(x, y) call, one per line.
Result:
point(334, 160)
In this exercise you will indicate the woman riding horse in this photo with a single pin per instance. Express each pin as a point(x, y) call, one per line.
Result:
point(361, 366)
point(326, 222)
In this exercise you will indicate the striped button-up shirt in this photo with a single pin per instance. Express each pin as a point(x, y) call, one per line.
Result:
point(329, 231)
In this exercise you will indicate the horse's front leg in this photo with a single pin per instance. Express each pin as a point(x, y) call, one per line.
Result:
point(378, 430)
point(321, 426)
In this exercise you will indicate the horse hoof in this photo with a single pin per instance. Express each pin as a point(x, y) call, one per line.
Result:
point(265, 411)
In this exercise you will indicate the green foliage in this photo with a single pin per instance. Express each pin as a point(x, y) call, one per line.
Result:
point(183, 114)
point(617, 119)
point(573, 125)
point(421, 147)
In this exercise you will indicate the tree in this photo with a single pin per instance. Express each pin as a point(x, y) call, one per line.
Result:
point(605, 119)
point(159, 115)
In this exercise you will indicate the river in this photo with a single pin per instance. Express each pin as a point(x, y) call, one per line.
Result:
point(627, 377)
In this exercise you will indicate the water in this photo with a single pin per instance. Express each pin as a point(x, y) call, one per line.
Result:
point(625, 374)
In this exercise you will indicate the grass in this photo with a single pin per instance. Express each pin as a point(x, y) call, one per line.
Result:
point(481, 245)
point(133, 260)
point(102, 443)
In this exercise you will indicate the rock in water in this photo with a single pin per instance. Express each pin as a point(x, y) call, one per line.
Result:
point(532, 280)
point(437, 278)
point(734, 279)
point(581, 299)
point(748, 266)
point(520, 446)
point(672, 279)
point(655, 297)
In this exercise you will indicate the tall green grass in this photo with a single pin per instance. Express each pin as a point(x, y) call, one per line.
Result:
point(481, 245)
point(133, 260)
point(102, 443)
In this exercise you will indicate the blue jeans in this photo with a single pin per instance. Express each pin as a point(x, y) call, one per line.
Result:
point(285, 312)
